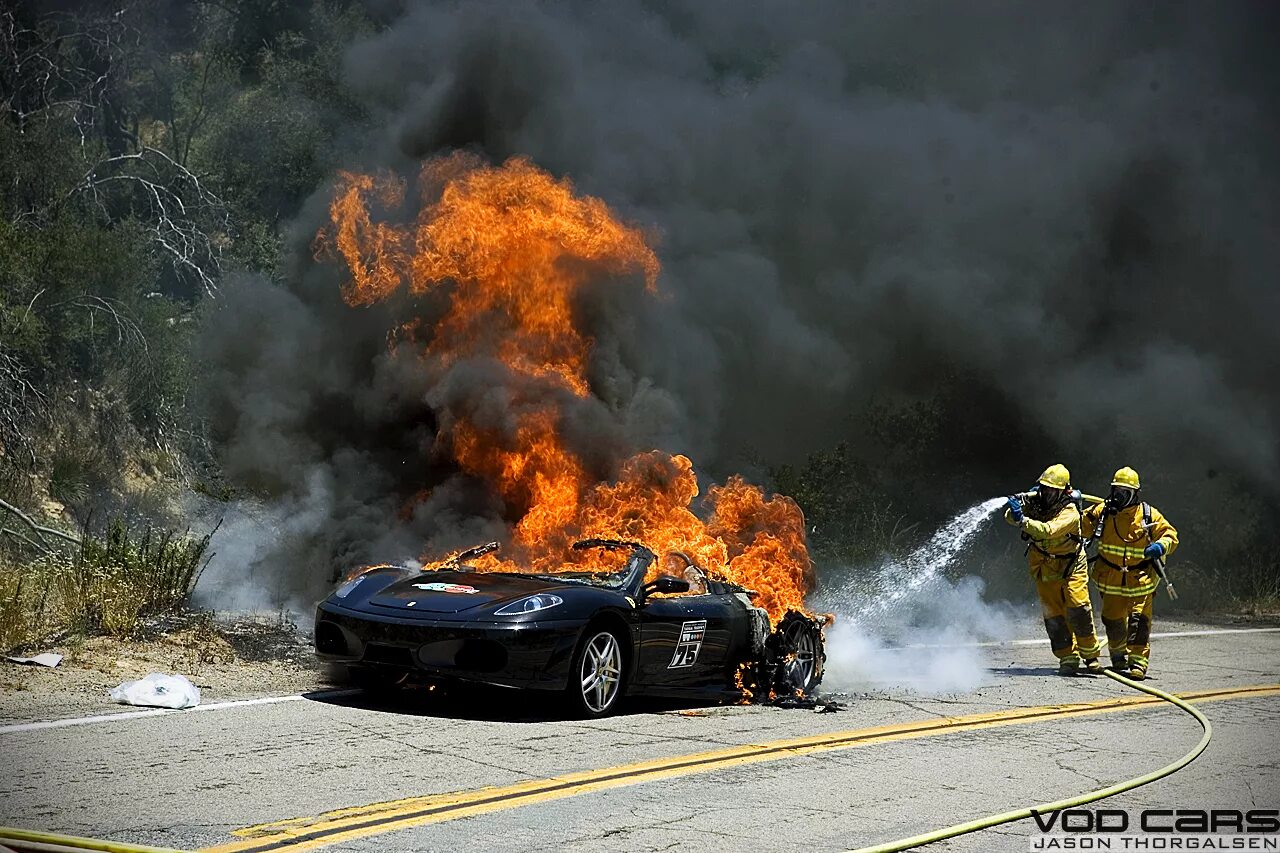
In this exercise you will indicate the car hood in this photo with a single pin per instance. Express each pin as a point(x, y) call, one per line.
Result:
point(454, 592)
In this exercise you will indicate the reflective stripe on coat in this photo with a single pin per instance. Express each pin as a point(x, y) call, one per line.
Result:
point(1121, 568)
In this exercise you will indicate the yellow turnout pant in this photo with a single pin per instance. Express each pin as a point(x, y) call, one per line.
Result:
point(1068, 617)
point(1127, 619)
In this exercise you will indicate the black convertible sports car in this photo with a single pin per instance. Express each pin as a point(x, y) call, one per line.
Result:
point(594, 635)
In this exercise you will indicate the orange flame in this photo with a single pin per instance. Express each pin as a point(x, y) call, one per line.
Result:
point(512, 247)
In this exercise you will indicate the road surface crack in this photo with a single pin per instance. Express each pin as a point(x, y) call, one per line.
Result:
point(404, 744)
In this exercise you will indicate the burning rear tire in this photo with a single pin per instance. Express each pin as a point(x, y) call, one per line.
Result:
point(597, 674)
point(798, 654)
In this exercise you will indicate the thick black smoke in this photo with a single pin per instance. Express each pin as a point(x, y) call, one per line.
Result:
point(1056, 228)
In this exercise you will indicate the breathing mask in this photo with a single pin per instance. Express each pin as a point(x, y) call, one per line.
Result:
point(1121, 497)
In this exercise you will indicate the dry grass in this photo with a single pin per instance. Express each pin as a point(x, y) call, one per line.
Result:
point(1247, 585)
point(1254, 584)
point(107, 586)
point(24, 605)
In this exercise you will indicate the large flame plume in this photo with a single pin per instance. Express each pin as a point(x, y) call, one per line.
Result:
point(511, 248)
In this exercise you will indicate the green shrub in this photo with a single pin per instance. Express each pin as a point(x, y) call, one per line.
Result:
point(118, 578)
point(108, 586)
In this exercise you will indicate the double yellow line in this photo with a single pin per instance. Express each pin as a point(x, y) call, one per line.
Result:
point(335, 827)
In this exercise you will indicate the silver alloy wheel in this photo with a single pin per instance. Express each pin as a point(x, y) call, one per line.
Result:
point(601, 674)
point(806, 655)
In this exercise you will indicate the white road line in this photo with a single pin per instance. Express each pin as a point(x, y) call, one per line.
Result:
point(1044, 641)
point(161, 712)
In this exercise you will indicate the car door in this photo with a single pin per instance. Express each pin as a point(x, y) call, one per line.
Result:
point(671, 639)
point(685, 641)
point(721, 616)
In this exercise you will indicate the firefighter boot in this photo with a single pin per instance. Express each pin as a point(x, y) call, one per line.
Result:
point(1140, 640)
point(1117, 639)
point(1063, 644)
point(1080, 619)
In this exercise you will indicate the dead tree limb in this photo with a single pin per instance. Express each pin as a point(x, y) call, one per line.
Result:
point(40, 530)
point(63, 67)
point(182, 214)
point(21, 405)
point(127, 328)
point(60, 66)
point(39, 546)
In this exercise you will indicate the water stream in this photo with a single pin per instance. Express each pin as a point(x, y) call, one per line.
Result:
point(903, 623)
point(861, 599)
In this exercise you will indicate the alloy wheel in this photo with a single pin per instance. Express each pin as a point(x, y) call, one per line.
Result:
point(806, 652)
point(601, 674)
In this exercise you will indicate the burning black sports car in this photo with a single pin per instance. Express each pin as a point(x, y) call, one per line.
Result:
point(593, 635)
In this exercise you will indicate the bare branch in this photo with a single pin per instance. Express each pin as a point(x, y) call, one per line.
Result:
point(32, 304)
point(21, 405)
point(197, 120)
point(126, 326)
point(43, 549)
point(40, 530)
point(68, 67)
point(182, 214)
point(60, 67)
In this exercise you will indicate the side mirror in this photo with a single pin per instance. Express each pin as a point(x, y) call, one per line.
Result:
point(666, 584)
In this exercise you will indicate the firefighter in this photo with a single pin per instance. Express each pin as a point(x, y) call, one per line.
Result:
point(1050, 522)
point(1133, 537)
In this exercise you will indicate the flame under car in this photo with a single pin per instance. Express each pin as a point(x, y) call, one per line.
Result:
point(595, 636)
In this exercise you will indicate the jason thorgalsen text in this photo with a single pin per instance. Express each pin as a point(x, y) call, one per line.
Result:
point(1153, 841)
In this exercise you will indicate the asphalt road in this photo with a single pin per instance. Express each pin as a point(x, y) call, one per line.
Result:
point(191, 779)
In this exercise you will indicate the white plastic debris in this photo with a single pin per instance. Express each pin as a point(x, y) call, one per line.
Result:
point(158, 690)
point(42, 659)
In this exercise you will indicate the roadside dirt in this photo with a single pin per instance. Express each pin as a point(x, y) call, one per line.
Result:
point(227, 658)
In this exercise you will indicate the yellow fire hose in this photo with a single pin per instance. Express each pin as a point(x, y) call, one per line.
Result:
point(28, 839)
point(1048, 808)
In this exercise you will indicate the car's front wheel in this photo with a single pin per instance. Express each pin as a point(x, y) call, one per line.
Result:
point(597, 675)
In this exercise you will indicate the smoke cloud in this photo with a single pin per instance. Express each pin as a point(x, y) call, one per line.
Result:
point(1055, 226)
point(924, 643)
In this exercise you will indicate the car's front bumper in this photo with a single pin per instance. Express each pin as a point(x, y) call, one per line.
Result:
point(533, 654)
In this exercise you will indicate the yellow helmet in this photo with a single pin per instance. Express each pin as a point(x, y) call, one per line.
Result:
point(1055, 477)
point(1126, 477)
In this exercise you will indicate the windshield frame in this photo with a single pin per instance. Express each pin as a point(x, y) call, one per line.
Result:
point(632, 574)
point(628, 577)
point(638, 563)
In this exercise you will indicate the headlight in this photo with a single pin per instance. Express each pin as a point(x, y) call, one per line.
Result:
point(345, 590)
point(532, 604)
